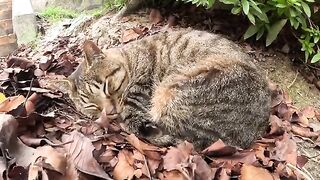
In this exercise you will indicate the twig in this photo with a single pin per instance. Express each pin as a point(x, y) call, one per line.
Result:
point(147, 166)
point(304, 138)
point(306, 175)
point(28, 94)
point(294, 80)
point(180, 169)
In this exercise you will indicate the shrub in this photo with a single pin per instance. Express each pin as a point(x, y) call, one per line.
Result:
point(268, 17)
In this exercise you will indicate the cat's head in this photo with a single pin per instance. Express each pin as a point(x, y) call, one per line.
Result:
point(98, 83)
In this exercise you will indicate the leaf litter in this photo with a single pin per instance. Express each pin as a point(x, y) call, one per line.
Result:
point(43, 136)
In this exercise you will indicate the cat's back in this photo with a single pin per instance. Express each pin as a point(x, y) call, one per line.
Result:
point(186, 46)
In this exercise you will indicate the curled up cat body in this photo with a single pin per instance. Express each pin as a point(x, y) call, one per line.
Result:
point(175, 86)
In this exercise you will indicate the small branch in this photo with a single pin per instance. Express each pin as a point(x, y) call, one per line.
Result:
point(304, 174)
point(28, 94)
point(294, 80)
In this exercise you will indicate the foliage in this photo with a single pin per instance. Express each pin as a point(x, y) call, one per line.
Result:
point(114, 4)
point(56, 13)
point(268, 17)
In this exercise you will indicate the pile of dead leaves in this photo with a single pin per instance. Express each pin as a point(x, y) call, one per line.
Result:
point(41, 140)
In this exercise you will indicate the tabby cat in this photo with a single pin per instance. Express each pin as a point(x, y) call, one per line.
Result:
point(175, 86)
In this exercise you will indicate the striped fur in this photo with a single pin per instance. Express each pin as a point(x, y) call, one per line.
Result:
point(170, 87)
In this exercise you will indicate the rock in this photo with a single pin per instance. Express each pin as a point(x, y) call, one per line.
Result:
point(23, 21)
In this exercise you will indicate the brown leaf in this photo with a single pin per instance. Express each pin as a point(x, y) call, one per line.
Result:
point(27, 108)
point(300, 118)
point(202, 171)
point(309, 112)
point(49, 158)
point(44, 63)
point(177, 155)
point(11, 103)
point(22, 63)
point(3, 166)
point(302, 160)
point(171, 21)
point(249, 172)
point(18, 172)
point(129, 35)
point(284, 111)
point(35, 172)
point(285, 150)
point(173, 175)
point(11, 143)
point(218, 148)
point(123, 169)
point(276, 94)
point(276, 125)
point(260, 154)
point(247, 157)
point(80, 151)
point(155, 16)
point(304, 131)
point(38, 73)
point(149, 150)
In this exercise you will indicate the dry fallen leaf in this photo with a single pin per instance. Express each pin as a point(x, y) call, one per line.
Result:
point(249, 172)
point(149, 150)
point(285, 150)
point(155, 16)
point(51, 159)
point(11, 143)
point(173, 175)
point(80, 151)
point(22, 63)
point(11, 103)
point(177, 155)
point(218, 148)
point(309, 112)
point(129, 35)
point(123, 169)
point(304, 131)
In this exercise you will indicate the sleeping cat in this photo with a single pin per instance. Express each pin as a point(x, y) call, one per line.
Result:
point(175, 86)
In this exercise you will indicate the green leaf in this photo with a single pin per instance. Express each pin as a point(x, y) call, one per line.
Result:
point(306, 8)
point(250, 31)
point(281, 6)
point(210, 3)
point(315, 58)
point(254, 5)
point(236, 10)
point(316, 39)
point(260, 33)
point(229, 1)
point(310, 0)
point(262, 16)
point(251, 18)
point(306, 55)
point(274, 31)
point(245, 6)
point(292, 12)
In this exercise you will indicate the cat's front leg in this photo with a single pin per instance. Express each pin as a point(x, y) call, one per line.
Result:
point(138, 123)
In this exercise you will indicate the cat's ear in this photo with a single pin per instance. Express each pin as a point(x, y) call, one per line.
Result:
point(91, 51)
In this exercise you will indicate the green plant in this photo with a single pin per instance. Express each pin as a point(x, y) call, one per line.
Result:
point(57, 13)
point(268, 17)
point(114, 4)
